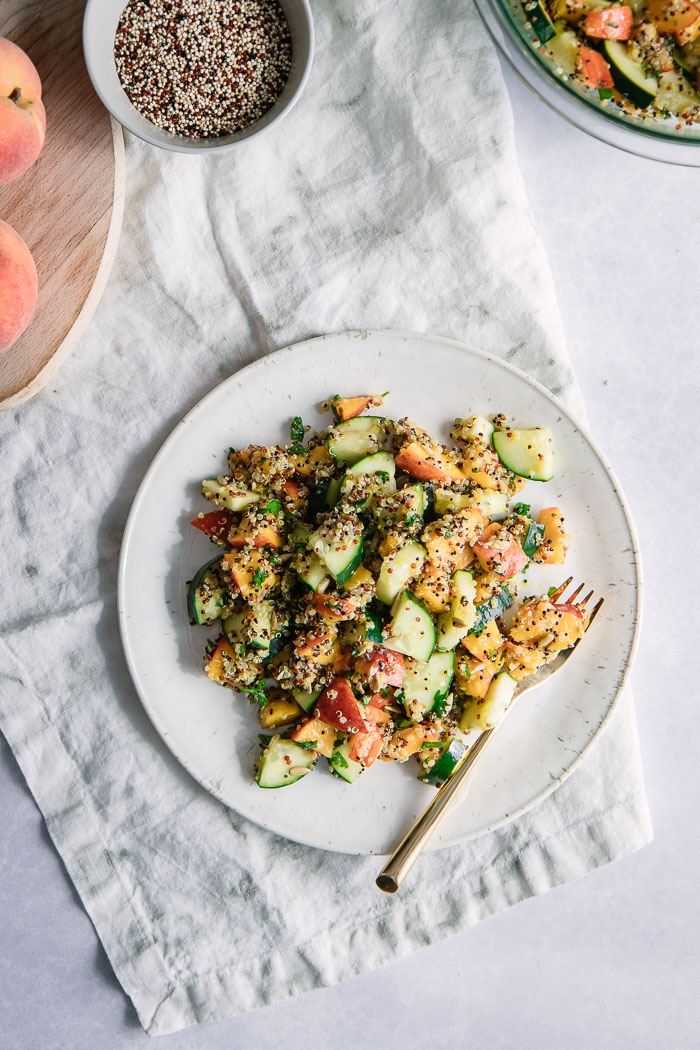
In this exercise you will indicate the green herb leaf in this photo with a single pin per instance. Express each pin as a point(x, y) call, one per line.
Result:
point(386, 393)
point(308, 745)
point(551, 591)
point(522, 508)
point(258, 693)
point(297, 429)
point(431, 743)
point(258, 578)
point(340, 760)
point(383, 475)
point(605, 92)
point(405, 723)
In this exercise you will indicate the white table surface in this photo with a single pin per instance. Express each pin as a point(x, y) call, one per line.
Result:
point(611, 961)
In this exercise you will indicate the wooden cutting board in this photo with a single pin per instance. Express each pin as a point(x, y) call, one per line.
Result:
point(68, 205)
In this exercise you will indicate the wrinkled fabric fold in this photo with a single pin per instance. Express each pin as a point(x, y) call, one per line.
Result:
point(389, 198)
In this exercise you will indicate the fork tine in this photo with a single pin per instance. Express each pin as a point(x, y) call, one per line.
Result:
point(582, 604)
point(574, 596)
point(594, 612)
point(556, 595)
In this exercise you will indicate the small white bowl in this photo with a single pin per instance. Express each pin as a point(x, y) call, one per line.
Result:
point(99, 29)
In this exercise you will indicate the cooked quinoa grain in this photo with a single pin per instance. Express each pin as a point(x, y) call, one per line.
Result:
point(203, 68)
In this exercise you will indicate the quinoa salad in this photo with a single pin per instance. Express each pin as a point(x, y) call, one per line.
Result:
point(365, 588)
point(641, 56)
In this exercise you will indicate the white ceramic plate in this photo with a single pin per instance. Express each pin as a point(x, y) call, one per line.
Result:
point(213, 731)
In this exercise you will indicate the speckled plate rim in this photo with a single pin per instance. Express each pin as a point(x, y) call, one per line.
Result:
point(279, 357)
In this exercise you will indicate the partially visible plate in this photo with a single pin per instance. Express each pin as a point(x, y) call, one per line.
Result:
point(213, 731)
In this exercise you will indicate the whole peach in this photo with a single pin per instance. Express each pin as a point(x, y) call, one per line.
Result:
point(19, 286)
point(22, 114)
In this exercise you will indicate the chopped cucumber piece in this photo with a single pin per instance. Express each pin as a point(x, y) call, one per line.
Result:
point(448, 634)
point(487, 713)
point(380, 466)
point(413, 500)
point(629, 75)
point(528, 453)
point(540, 20)
point(564, 48)
point(252, 627)
point(207, 598)
point(338, 543)
point(446, 763)
point(454, 625)
point(411, 630)
point(306, 700)
point(299, 535)
point(426, 685)
point(492, 503)
point(476, 429)
point(373, 628)
point(232, 497)
point(463, 594)
point(379, 462)
point(283, 762)
point(676, 93)
point(398, 569)
point(344, 766)
point(314, 572)
point(533, 538)
point(332, 493)
point(356, 438)
point(491, 610)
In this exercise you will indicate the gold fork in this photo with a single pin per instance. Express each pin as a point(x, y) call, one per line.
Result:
point(414, 842)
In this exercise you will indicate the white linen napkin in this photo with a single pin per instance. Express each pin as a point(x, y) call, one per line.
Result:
point(389, 198)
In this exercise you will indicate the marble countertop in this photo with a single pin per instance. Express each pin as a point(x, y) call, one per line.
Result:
point(612, 960)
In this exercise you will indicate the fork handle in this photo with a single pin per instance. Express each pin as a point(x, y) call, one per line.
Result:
point(414, 842)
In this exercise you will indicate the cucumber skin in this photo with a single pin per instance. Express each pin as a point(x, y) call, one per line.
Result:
point(533, 538)
point(406, 595)
point(306, 758)
point(347, 572)
point(445, 765)
point(212, 565)
point(488, 612)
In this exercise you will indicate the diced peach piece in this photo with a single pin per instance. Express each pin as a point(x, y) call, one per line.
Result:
point(376, 716)
point(593, 69)
point(555, 542)
point(427, 463)
point(481, 645)
point(474, 676)
point(318, 730)
point(264, 535)
point(381, 667)
point(688, 34)
point(246, 568)
point(498, 550)
point(411, 739)
point(349, 407)
point(338, 706)
point(365, 747)
point(672, 16)
point(610, 23)
point(215, 664)
point(292, 494)
point(310, 644)
point(306, 462)
point(333, 607)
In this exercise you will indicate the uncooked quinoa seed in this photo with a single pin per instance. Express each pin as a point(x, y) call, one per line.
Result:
point(203, 68)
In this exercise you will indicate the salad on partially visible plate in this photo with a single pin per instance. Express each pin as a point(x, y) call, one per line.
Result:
point(369, 587)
